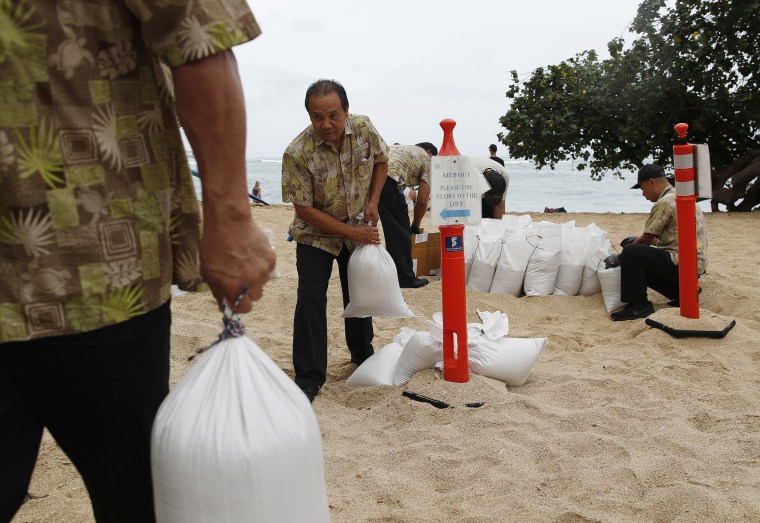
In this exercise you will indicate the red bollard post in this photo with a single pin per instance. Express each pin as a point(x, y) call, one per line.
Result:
point(686, 202)
point(456, 368)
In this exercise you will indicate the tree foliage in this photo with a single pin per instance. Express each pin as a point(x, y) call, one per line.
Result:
point(695, 62)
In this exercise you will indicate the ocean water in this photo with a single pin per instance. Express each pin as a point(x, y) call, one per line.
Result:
point(530, 189)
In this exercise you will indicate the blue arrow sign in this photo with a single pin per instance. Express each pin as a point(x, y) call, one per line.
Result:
point(450, 213)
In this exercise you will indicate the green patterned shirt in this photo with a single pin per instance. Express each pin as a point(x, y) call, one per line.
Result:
point(662, 223)
point(315, 174)
point(98, 214)
point(408, 165)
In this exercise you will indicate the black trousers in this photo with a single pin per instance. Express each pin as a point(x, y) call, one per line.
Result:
point(310, 321)
point(644, 266)
point(397, 230)
point(97, 393)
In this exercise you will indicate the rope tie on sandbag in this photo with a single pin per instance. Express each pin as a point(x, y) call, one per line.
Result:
point(233, 325)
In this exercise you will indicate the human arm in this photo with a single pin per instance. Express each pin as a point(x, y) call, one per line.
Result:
point(646, 238)
point(235, 252)
point(326, 223)
point(410, 194)
point(379, 174)
point(420, 206)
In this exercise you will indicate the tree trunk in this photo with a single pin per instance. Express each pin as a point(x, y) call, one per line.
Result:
point(738, 181)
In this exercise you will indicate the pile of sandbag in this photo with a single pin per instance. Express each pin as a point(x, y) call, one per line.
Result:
point(517, 256)
point(490, 353)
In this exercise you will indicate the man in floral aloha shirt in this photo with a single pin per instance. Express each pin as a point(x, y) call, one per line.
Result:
point(99, 217)
point(333, 173)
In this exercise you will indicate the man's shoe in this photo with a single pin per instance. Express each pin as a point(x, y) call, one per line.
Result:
point(311, 392)
point(633, 311)
point(416, 284)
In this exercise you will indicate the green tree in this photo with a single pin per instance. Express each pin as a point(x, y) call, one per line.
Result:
point(696, 62)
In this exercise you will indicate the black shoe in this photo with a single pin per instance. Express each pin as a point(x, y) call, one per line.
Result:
point(311, 392)
point(416, 284)
point(633, 311)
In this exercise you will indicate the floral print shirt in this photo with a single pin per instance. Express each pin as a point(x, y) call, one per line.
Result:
point(315, 174)
point(662, 222)
point(98, 215)
point(408, 165)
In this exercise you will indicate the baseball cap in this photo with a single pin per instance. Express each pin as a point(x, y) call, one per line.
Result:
point(429, 147)
point(651, 170)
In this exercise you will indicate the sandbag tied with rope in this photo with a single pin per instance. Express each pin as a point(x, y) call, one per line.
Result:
point(236, 440)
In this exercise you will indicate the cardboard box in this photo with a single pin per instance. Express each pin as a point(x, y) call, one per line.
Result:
point(426, 253)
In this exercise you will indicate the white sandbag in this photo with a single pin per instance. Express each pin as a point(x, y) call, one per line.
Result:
point(470, 240)
point(541, 273)
point(574, 253)
point(487, 254)
point(517, 223)
point(494, 325)
point(506, 359)
point(373, 285)
point(378, 369)
point(516, 251)
point(237, 441)
point(599, 248)
point(484, 265)
point(421, 352)
point(610, 283)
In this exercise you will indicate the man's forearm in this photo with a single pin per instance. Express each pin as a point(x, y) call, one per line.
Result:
point(420, 206)
point(236, 258)
point(326, 223)
point(322, 221)
point(212, 112)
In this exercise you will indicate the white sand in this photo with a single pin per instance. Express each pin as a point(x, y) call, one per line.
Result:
point(618, 421)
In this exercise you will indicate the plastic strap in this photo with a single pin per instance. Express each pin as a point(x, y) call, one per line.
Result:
point(233, 325)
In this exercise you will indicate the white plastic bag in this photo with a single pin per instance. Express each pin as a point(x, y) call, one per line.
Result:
point(421, 352)
point(543, 265)
point(378, 369)
point(494, 325)
point(506, 359)
point(516, 251)
point(470, 239)
point(574, 253)
point(599, 247)
point(237, 441)
point(373, 285)
point(609, 280)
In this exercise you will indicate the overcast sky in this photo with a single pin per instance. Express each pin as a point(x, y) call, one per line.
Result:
point(409, 64)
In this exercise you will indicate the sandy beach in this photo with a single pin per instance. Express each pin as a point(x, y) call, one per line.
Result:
point(617, 422)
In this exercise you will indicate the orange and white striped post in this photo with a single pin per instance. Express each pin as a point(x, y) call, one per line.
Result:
point(453, 293)
point(686, 214)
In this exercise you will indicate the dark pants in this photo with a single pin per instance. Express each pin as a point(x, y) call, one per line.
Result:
point(397, 229)
point(310, 322)
point(643, 266)
point(97, 393)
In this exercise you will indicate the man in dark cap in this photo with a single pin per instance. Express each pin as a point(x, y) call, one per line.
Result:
point(492, 152)
point(651, 260)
